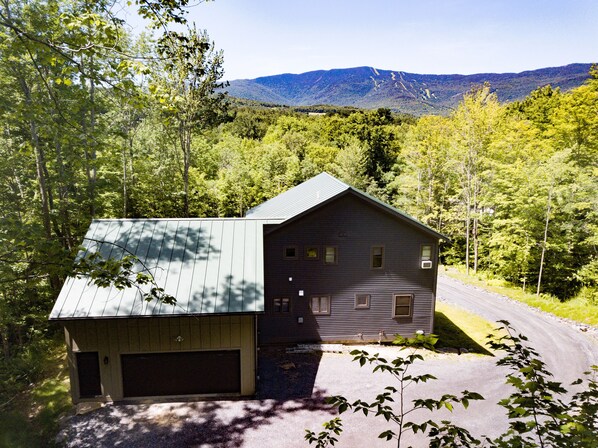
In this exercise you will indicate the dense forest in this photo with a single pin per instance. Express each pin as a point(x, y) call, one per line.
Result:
point(98, 124)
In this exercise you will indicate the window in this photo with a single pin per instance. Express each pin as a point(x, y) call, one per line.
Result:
point(426, 256)
point(320, 305)
point(330, 255)
point(362, 301)
point(402, 305)
point(312, 253)
point(282, 305)
point(426, 252)
point(377, 257)
point(290, 252)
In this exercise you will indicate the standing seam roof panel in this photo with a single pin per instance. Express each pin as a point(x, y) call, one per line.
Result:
point(165, 261)
point(300, 198)
point(134, 295)
point(132, 248)
point(153, 261)
point(204, 265)
point(71, 285)
point(105, 249)
point(209, 265)
point(129, 299)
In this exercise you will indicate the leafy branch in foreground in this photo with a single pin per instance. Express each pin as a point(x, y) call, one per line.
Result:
point(121, 274)
point(392, 405)
point(538, 415)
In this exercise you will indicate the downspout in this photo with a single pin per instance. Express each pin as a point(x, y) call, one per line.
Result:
point(435, 286)
point(256, 350)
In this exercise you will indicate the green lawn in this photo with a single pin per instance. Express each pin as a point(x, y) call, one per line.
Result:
point(576, 309)
point(459, 329)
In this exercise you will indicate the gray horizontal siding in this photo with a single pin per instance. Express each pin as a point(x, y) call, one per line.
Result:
point(354, 226)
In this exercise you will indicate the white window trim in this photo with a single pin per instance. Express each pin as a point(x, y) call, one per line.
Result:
point(394, 306)
point(363, 307)
point(320, 297)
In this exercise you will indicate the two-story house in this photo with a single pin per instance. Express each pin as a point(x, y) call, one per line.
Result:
point(320, 262)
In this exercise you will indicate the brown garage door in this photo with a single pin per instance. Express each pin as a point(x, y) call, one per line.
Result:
point(181, 373)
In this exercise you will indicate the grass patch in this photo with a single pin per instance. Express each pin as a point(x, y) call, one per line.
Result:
point(458, 328)
point(31, 418)
point(577, 309)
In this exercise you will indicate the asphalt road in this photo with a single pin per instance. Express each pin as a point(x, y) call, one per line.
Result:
point(293, 386)
point(567, 350)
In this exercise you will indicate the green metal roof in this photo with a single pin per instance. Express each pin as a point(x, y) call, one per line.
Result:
point(211, 266)
point(301, 198)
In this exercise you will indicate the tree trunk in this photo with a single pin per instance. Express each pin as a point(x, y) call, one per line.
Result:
point(92, 124)
point(63, 193)
point(41, 179)
point(124, 157)
point(185, 140)
point(5, 342)
point(40, 163)
point(548, 207)
point(467, 221)
point(90, 148)
point(476, 240)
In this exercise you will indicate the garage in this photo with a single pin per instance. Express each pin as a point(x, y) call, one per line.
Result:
point(181, 373)
point(123, 347)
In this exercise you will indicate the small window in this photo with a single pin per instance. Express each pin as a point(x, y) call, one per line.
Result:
point(320, 305)
point(330, 255)
point(402, 305)
point(290, 252)
point(282, 305)
point(362, 301)
point(426, 252)
point(377, 257)
point(426, 256)
point(312, 253)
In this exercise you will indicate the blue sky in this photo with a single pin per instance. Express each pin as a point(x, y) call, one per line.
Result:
point(267, 37)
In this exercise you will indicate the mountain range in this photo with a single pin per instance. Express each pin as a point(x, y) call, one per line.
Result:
point(371, 88)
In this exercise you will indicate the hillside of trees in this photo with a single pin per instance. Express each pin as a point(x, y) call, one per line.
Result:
point(96, 124)
point(417, 94)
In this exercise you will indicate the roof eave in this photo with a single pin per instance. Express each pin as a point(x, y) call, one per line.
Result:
point(160, 316)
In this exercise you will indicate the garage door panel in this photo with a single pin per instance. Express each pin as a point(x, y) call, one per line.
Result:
point(181, 373)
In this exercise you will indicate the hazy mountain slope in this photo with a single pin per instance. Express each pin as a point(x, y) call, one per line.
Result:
point(368, 87)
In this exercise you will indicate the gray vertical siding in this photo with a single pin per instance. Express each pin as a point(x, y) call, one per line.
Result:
point(353, 225)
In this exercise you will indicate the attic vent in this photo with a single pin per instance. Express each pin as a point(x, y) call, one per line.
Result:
point(426, 264)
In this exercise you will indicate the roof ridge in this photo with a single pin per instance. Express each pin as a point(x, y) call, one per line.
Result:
point(210, 218)
point(335, 179)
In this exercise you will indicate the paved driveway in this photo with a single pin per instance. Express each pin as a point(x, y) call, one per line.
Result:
point(292, 388)
point(565, 348)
